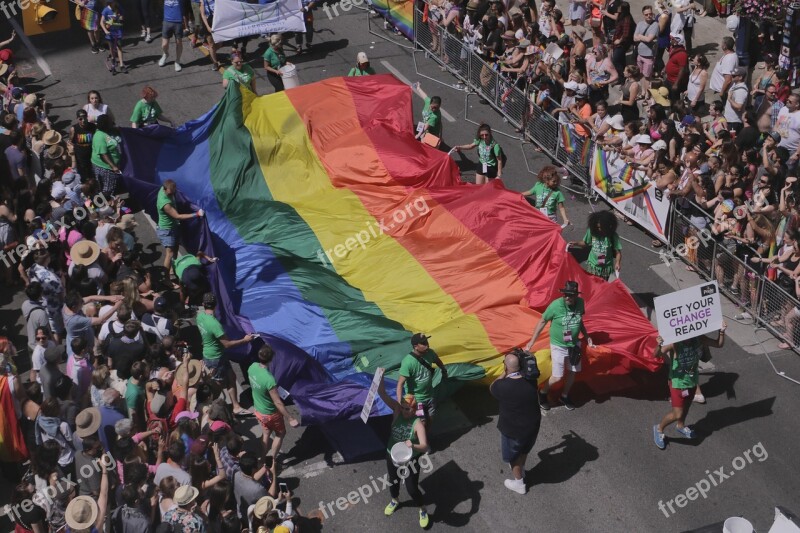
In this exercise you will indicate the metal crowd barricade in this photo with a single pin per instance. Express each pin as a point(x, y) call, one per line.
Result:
point(766, 301)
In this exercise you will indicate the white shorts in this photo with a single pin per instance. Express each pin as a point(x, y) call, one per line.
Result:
point(560, 357)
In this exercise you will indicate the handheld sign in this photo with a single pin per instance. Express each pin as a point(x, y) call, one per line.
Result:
point(373, 391)
point(689, 312)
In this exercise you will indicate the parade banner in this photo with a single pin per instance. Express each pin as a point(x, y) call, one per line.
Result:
point(630, 191)
point(234, 20)
point(399, 13)
point(689, 312)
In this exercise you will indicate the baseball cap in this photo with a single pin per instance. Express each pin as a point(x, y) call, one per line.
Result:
point(775, 136)
point(362, 58)
point(571, 85)
point(160, 305)
point(419, 338)
point(739, 71)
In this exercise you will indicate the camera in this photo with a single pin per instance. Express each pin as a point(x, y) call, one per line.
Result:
point(181, 348)
point(528, 368)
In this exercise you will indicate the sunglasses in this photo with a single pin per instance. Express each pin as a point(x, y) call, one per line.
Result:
point(41, 338)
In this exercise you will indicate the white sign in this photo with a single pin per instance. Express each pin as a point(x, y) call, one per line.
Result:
point(689, 313)
point(373, 391)
point(234, 20)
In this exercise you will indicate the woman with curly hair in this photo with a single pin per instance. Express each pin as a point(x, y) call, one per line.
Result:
point(605, 249)
point(546, 196)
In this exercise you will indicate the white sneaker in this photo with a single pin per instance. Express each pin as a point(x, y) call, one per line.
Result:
point(163, 60)
point(148, 38)
point(743, 316)
point(178, 67)
point(144, 34)
point(517, 485)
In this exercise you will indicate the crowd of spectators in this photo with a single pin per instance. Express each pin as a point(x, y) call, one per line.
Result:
point(715, 138)
point(126, 417)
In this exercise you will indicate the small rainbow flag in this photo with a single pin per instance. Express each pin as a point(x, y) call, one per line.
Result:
point(627, 174)
point(566, 139)
point(630, 193)
point(585, 151)
point(600, 174)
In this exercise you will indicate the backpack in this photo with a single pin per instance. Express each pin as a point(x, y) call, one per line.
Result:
point(154, 423)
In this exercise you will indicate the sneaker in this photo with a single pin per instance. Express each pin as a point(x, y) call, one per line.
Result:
point(743, 316)
point(163, 60)
point(568, 403)
point(243, 412)
point(423, 519)
point(699, 398)
point(144, 34)
point(149, 38)
point(686, 431)
point(543, 402)
point(734, 290)
point(178, 67)
point(389, 509)
point(95, 50)
point(659, 438)
point(517, 485)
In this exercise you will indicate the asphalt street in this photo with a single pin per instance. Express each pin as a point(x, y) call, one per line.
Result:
point(593, 469)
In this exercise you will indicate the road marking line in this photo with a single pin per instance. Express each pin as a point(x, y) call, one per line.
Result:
point(447, 116)
point(32, 49)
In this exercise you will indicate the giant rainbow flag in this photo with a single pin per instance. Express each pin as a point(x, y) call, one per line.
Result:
point(340, 235)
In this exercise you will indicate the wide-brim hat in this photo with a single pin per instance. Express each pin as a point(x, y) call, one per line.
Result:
point(184, 495)
point(570, 288)
point(84, 252)
point(81, 513)
point(87, 423)
point(51, 137)
point(30, 100)
point(264, 505)
point(661, 96)
point(195, 369)
point(55, 151)
point(643, 139)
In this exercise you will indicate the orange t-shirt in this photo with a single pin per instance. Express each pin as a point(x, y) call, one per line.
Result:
point(585, 113)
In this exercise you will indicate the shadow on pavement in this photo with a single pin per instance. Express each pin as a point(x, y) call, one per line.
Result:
point(729, 416)
point(559, 463)
point(446, 488)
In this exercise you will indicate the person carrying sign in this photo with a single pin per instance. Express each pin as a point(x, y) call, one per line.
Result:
point(416, 373)
point(566, 324)
point(684, 357)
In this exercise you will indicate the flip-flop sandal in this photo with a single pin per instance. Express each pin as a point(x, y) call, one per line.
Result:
point(690, 268)
point(656, 243)
point(785, 346)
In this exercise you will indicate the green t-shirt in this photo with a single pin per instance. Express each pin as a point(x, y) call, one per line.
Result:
point(243, 76)
point(103, 143)
point(432, 118)
point(183, 262)
point(355, 71)
point(419, 380)
point(563, 319)
point(275, 59)
point(488, 153)
point(134, 397)
point(403, 430)
point(683, 370)
point(261, 381)
point(145, 113)
point(601, 253)
point(542, 193)
point(164, 220)
point(211, 331)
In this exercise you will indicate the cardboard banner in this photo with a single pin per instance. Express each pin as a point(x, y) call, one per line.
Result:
point(373, 391)
point(689, 312)
point(630, 192)
point(234, 20)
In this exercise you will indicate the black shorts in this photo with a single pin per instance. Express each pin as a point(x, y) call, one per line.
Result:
point(513, 448)
point(491, 171)
point(172, 29)
point(194, 279)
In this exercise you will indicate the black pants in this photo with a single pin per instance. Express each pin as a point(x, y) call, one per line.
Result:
point(276, 81)
point(411, 481)
point(144, 12)
point(309, 33)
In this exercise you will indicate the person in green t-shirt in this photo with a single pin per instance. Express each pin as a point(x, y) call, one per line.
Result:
point(362, 67)
point(147, 111)
point(431, 115)
point(191, 273)
point(134, 395)
point(490, 155)
point(274, 59)
point(168, 229)
point(684, 358)
point(546, 196)
point(106, 155)
point(269, 408)
point(240, 72)
point(416, 373)
point(407, 428)
point(565, 316)
point(605, 248)
point(215, 342)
